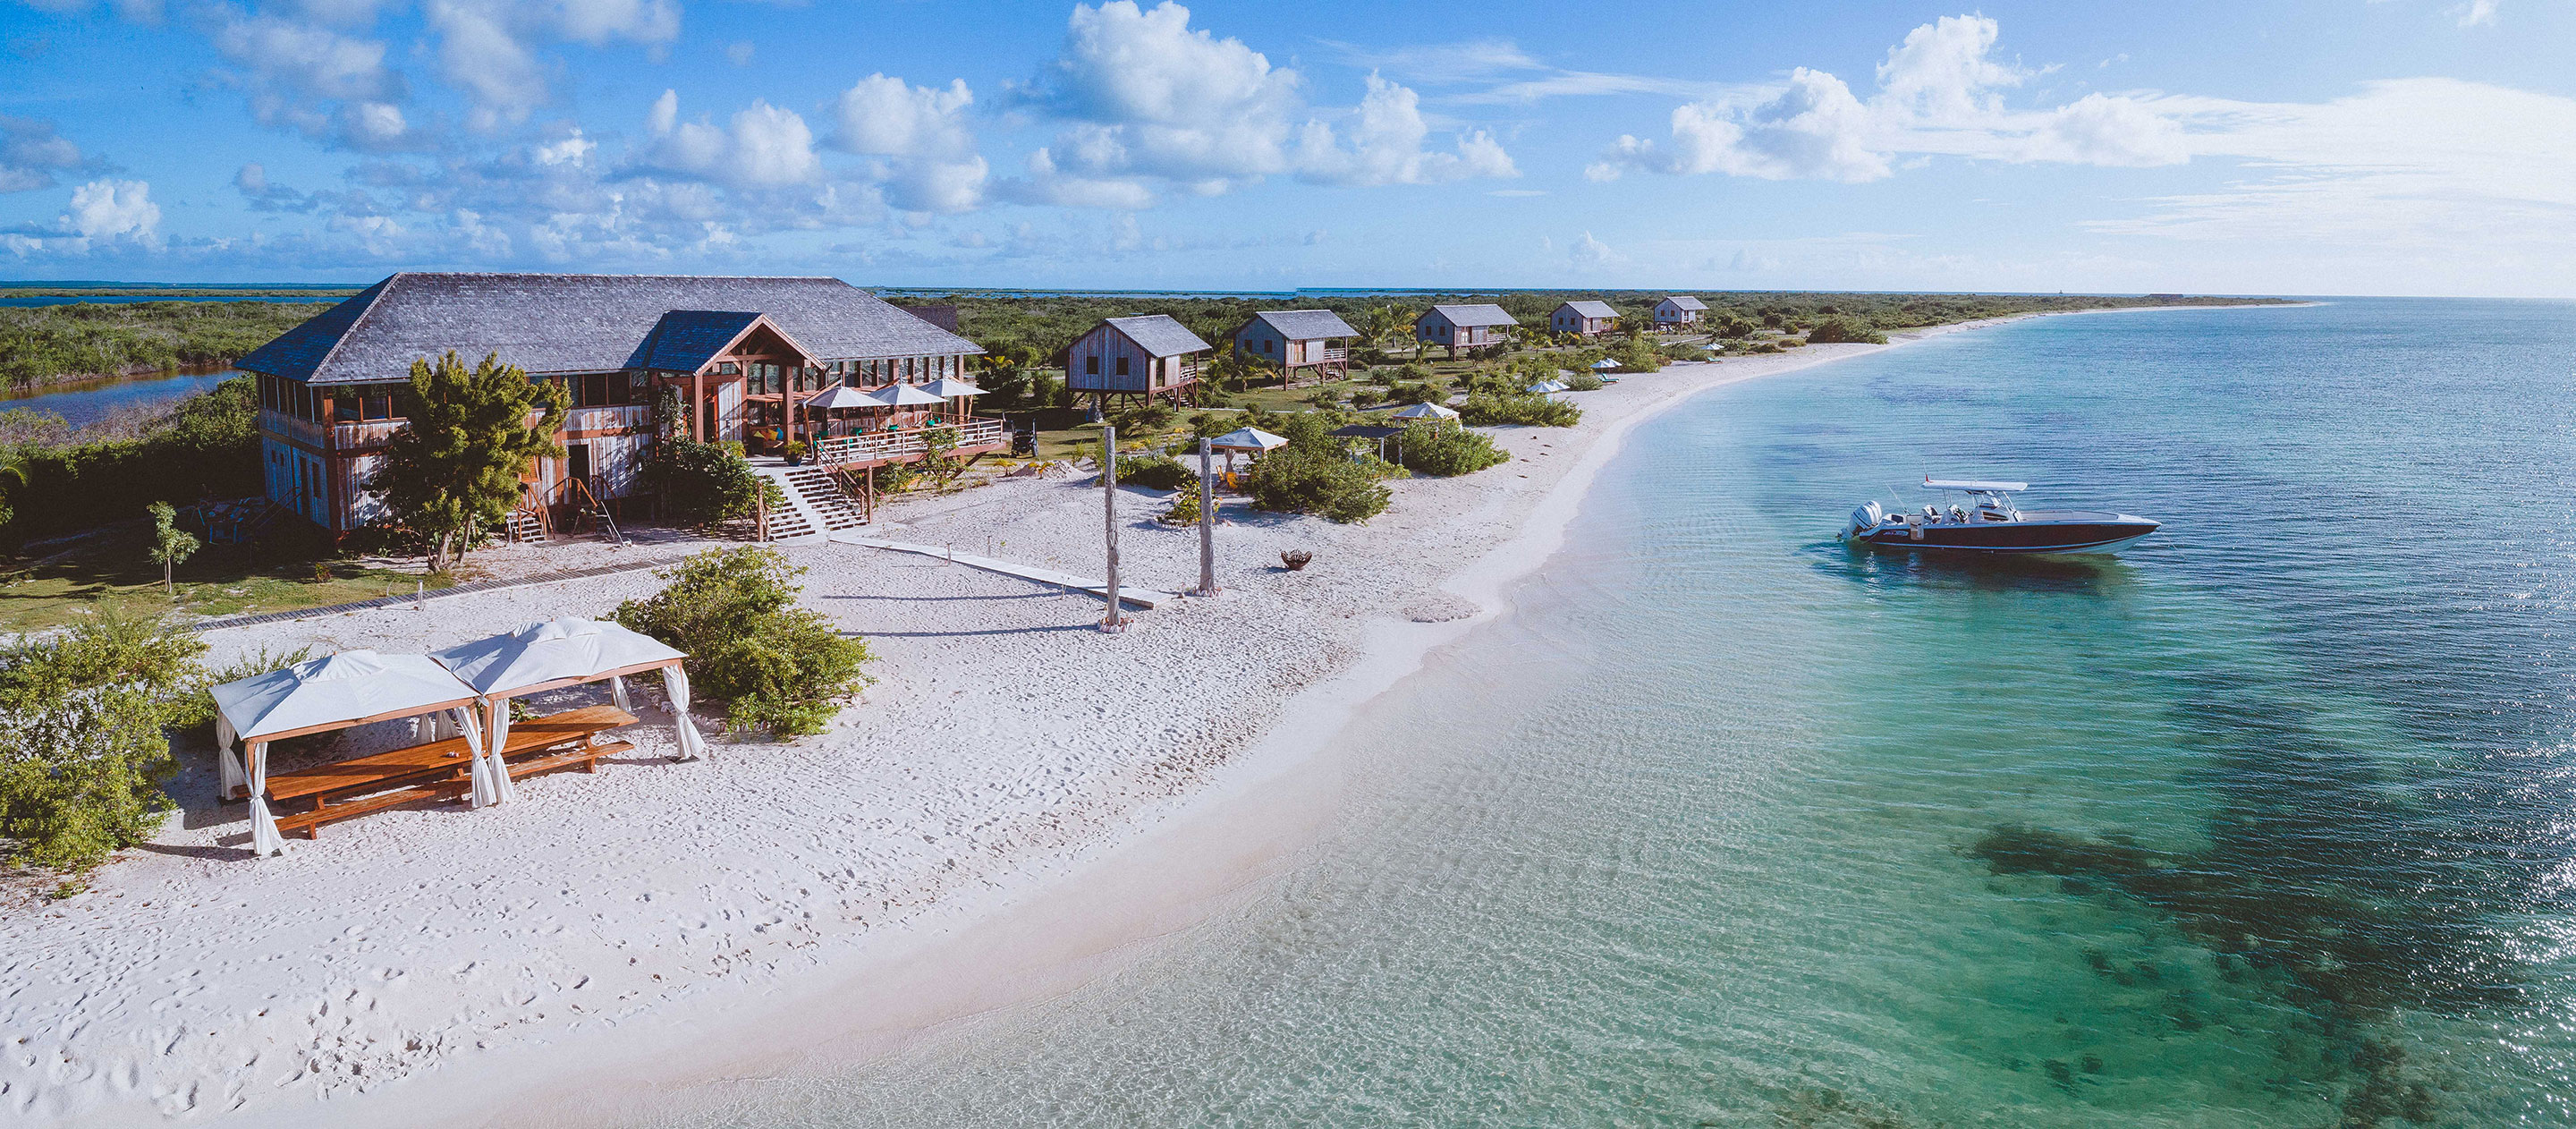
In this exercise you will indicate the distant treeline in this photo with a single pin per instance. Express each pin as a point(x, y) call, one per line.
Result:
point(1041, 327)
point(41, 344)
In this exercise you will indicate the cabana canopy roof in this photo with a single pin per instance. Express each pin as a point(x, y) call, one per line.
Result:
point(948, 388)
point(1426, 411)
point(554, 653)
point(350, 688)
point(1247, 439)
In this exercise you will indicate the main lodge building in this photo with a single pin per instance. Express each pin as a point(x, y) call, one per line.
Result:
point(743, 354)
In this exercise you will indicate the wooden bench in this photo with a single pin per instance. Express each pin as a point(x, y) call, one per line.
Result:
point(438, 770)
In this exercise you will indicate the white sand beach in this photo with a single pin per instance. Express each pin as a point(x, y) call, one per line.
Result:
point(1016, 797)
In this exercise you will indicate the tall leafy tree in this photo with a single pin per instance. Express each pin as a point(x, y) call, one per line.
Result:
point(452, 474)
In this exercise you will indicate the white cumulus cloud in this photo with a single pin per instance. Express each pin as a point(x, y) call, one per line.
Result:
point(763, 146)
point(113, 209)
point(1940, 92)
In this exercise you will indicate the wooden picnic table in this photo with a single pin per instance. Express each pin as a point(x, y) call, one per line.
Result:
point(437, 770)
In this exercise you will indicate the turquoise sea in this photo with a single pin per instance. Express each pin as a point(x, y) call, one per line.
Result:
point(2264, 822)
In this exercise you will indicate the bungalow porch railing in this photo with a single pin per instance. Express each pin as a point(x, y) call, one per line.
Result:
point(845, 449)
point(1330, 355)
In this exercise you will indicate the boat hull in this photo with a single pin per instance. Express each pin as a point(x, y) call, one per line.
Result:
point(2090, 533)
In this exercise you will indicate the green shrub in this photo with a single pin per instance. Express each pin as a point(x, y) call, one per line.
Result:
point(1443, 450)
point(84, 743)
point(1153, 471)
point(1184, 511)
point(1302, 482)
point(777, 666)
point(1315, 474)
point(1845, 328)
point(1582, 381)
point(1526, 410)
point(702, 483)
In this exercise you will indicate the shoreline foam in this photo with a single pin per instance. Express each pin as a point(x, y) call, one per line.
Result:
point(1036, 924)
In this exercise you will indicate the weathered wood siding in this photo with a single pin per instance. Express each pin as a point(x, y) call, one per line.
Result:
point(1107, 347)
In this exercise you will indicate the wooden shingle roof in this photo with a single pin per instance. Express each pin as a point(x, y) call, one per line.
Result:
point(555, 323)
point(1306, 325)
point(1159, 334)
point(1464, 316)
point(1686, 302)
point(1591, 309)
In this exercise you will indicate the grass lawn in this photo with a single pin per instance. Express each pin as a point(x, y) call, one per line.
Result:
point(109, 569)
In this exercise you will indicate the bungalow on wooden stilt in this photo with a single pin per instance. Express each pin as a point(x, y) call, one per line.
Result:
point(1135, 359)
point(1295, 339)
point(1462, 326)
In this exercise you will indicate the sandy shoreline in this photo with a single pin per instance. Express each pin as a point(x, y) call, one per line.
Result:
point(1015, 803)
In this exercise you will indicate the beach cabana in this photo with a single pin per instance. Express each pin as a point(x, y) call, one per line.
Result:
point(339, 692)
point(905, 396)
point(1244, 440)
point(1424, 411)
point(1544, 387)
point(1247, 439)
point(568, 652)
point(1605, 364)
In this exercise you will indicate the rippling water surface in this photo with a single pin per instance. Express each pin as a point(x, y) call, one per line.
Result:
point(2263, 822)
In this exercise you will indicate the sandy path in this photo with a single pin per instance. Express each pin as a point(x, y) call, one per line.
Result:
point(1005, 746)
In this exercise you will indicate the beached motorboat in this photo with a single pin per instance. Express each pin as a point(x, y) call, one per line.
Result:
point(1987, 522)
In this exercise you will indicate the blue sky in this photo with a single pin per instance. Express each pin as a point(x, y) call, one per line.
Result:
point(2333, 147)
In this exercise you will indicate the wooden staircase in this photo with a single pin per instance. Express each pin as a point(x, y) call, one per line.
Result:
point(816, 504)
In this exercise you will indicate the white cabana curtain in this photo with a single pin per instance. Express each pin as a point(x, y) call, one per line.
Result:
point(617, 685)
point(675, 683)
point(264, 839)
point(490, 773)
point(228, 763)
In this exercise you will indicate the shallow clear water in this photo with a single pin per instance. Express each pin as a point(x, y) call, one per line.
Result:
point(2265, 821)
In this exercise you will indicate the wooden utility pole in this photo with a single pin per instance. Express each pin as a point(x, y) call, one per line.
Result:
point(1207, 520)
point(1109, 508)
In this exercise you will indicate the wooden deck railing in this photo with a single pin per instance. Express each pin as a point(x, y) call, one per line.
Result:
point(846, 449)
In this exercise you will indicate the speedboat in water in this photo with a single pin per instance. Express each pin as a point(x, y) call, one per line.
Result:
point(1986, 522)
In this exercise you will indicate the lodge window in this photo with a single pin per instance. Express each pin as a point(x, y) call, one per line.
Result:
point(727, 368)
point(344, 409)
point(378, 403)
point(1122, 366)
point(1091, 365)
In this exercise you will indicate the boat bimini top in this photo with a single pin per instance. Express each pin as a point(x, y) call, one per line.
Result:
point(1974, 486)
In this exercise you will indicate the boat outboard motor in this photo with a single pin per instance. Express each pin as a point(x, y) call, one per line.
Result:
point(1864, 519)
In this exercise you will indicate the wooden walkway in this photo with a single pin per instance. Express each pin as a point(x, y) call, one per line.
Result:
point(1128, 594)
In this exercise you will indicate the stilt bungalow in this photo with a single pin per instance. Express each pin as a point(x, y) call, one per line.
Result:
point(1679, 311)
point(1295, 339)
point(1138, 359)
point(1462, 327)
point(1583, 319)
point(740, 356)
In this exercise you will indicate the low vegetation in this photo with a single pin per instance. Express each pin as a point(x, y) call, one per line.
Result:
point(777, 666)
point(1839, 328)
point(702, 483)
point(84, 742)
point(1488, 409)
point(54, 479)
point(1317, 474)
point(1153, 470)
point(41, 344)
point(1446, 451)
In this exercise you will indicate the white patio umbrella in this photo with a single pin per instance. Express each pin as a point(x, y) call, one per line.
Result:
point(1425, 411)
point(905, 396)
point(843, 396)
point(1605, 364)
point(951, 388)
point(332, 692)
point(1546, 386)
